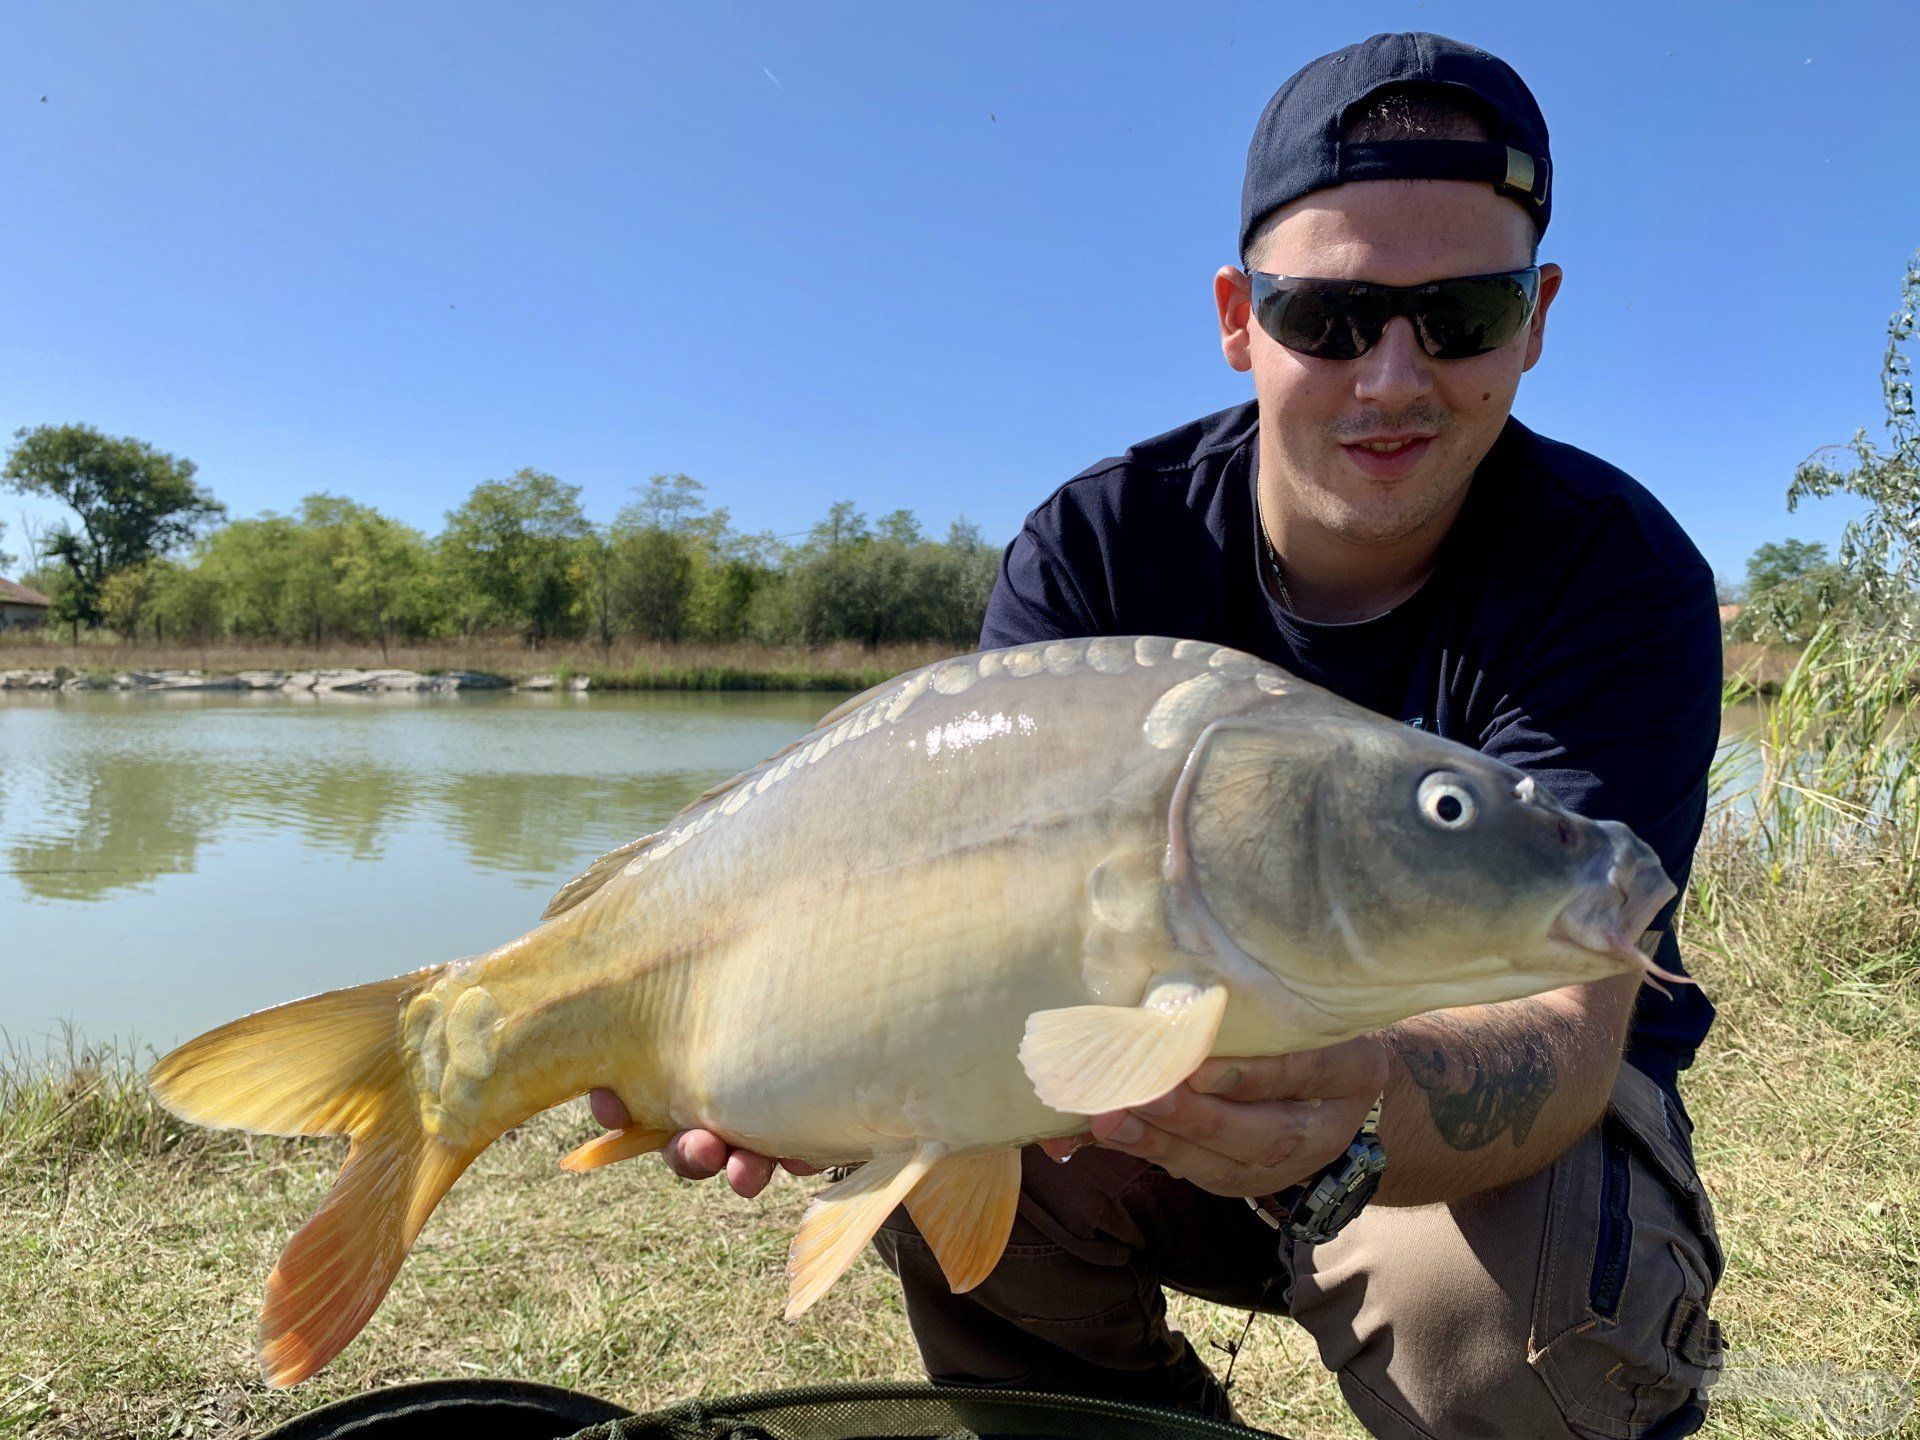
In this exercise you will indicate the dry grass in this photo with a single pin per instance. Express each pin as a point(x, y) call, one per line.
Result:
point(1755, 669)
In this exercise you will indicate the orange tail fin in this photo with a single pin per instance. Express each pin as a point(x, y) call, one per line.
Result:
point(327, 1065)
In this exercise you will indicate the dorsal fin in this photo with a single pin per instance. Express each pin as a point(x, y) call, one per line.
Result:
point(597, 874)
point(590, 880)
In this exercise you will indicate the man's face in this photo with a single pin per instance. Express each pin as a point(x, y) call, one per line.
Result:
point(1319, 417)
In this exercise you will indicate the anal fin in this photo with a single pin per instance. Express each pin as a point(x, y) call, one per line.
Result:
point(613, 1146)
point(1086, 1059)
point(964, 1209)
point(844, 1216)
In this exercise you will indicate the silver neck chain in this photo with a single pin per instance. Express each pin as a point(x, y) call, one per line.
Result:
point(1273, 555)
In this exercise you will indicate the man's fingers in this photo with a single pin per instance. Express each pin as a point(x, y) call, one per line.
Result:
point(1262, 1133)
point(1233, 1147)
point(1353, 1067)
point(608, 1110)
point(748, 1173)
point(701, 1154)
point(696, 1154)
point(1178, 1156)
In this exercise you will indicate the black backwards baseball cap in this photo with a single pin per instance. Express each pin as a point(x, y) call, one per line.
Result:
point(1296, 147)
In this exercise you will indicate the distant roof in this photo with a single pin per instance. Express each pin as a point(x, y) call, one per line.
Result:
point(12, 594)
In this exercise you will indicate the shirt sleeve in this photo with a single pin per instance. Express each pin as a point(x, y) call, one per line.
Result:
point(1042, 591)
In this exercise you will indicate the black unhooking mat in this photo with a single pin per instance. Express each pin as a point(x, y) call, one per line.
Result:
point(516, 1410)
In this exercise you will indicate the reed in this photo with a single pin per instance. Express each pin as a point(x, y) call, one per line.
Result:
point(1830, 775)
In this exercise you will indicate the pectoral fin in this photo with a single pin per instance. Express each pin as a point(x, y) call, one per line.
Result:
point(844, 1216)
point(964, 1209)
point(1091, 1058)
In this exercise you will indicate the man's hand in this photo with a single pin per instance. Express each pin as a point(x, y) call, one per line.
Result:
point(701, 1154)
point(1250, 1127)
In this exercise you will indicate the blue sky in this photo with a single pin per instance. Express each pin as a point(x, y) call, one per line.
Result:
point(931, 257)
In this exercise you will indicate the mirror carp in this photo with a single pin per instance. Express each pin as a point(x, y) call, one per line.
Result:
point(972, 907)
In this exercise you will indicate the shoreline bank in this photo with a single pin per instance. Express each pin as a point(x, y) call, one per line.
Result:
point(353, 681)
point(1750, 671)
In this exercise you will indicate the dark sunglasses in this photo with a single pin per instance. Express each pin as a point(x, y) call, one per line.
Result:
point(1343, 319)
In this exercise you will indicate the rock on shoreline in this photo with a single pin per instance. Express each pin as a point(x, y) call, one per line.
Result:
point(318, 682)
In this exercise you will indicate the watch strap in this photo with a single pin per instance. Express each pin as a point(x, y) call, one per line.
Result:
point(1319, 1207)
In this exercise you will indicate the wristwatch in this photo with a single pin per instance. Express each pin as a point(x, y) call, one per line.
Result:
point(1319, 1207)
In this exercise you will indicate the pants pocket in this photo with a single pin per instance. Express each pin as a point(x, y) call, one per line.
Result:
point(1620, 1330)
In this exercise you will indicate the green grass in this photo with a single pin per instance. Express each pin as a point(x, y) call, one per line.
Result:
point(133, 1249)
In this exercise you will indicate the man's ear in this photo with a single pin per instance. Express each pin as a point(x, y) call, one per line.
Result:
point(1550, 278)
point(1233, 298)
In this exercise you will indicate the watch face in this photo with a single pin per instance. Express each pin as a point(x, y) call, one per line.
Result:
point(1336, 1198)
point(1355, 1196)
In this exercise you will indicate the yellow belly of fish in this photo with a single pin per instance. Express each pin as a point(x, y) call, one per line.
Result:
point(870, 1018)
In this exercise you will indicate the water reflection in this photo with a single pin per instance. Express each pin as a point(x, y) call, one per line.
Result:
point(169, 862)
point(96, 801)
point(516, 822)
point(109, 826)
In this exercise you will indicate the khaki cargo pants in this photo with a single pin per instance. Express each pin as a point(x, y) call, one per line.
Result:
point(1570, 1303)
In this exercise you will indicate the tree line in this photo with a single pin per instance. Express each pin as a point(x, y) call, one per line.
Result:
point(150, 552)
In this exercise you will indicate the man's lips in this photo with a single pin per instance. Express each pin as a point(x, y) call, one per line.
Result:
point(1387, 457)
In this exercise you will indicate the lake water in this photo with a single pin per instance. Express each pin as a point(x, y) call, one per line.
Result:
point(170, 862)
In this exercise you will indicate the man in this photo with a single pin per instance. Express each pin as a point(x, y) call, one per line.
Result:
point(1539, 1256)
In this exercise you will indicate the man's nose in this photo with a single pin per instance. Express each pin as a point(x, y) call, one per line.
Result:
point(1396, 371)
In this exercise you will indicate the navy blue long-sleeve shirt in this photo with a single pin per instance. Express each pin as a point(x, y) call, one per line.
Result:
point(1569, 628)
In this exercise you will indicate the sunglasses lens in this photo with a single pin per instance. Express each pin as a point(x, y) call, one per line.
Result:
point(1329, 321)
point(1472, 315)
point(1343, 319)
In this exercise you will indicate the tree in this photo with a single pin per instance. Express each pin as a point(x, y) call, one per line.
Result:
point(516, 547)
point(651, 582)
point(185, 602)
point(127, 595)
point(381, 570)
point(309, 574)
point(1880, 550)
point(668, 502)
point(655, 549)
point(1782, 562)
point(6, 560)
point(132, 502)
point(56, 582)
point(245, 565)
point(735, 570)
point(1791, 587)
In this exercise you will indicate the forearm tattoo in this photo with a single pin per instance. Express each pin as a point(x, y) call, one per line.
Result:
point(1481, 1081)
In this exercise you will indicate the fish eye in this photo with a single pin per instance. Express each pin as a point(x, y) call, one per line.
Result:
point(1445, 801)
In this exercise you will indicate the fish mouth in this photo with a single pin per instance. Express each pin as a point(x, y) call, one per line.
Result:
point(1610, 917)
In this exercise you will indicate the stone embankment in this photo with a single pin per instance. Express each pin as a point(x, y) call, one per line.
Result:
point(316, 682)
